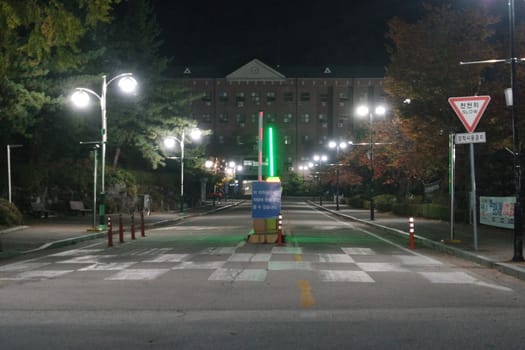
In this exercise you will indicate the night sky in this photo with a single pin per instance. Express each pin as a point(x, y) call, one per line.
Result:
point(346, 32)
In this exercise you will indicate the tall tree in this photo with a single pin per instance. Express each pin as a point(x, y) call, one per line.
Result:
point(424, 69)
point(38, 38)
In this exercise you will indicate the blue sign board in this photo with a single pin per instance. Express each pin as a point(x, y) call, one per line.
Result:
point(266, 199)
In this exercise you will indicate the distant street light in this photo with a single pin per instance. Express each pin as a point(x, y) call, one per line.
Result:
point(81, 99)
point(318, 159)
point(169, 142)
point(231, 169)
point(362, 111)
point(337, 146)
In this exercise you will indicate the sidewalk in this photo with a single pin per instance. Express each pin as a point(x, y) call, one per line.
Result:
point(495, 245)
point(39, 234)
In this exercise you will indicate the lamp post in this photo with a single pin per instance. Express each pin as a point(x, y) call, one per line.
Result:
point(516, 147)
point(81, 99)
point(9, 168)
point(518, 210)
point(364, 111)
point(337, 146)
point(318, 160)
point(96, 146)
point(169, 142)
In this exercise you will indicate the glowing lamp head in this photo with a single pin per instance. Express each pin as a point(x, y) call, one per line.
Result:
point(80, 98)
point(127, 84)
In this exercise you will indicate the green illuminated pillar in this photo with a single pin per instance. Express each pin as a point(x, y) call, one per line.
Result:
point(271, 151)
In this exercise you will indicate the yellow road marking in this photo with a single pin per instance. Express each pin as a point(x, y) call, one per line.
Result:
point(307, 299)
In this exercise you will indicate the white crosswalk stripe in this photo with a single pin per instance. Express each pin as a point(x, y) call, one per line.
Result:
point(239, 263)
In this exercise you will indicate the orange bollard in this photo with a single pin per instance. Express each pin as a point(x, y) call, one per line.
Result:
point(120, 229)
point(132, 227)
point(280, 230)
point(411, 243)
point(142, 233)
point(110, 233)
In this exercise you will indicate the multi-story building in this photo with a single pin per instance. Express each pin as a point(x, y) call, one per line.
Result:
point(308, 109)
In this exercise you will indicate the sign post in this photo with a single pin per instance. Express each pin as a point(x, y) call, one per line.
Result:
point(469, 110)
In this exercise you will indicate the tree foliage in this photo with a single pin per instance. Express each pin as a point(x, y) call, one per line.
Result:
point(424, 69)
point(38, 38)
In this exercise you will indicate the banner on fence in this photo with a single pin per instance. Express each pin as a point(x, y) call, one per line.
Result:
point(497, 211)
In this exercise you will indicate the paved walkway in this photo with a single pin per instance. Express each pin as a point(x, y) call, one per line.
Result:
point(495, 245)
point(495, 248)
point(39, 234)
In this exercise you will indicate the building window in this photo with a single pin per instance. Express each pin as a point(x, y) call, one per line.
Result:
point(240, 119)
point(288, 96)
point(239, 99)
point(256, 98)
point(223, 117)
point(305, 118)
point(254, 118)
point(287, 118)
point(206, 98)
point(238, 140)
point(287, 140)
point(306, 139)
point(323, 97)
point(341, 122)
point(206, 118)
point(221, 139)
point(343, 96)
point(270, 97)
point(323, 118)
point(223, 96)
point(270, 118)
point(305, 96)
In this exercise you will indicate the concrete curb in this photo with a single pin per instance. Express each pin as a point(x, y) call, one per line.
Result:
point(102, 234)
point(505, 268)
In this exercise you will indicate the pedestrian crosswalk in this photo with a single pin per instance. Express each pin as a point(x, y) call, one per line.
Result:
point(240, 263)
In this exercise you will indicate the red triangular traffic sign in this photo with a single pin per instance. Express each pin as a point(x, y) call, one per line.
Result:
point(469, 109)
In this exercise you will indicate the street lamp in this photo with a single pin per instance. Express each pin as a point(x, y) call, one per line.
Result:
point(318, 159)
point(337, 146)
point(303, 168)
point(378, 111)
point(169, 142)
point(81, 99)
point(232, 169)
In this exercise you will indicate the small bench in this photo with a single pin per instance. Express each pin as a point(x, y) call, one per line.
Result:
point(39, 210)
point(78, 207)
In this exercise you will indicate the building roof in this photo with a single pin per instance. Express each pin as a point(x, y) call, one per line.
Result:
point(258, 70)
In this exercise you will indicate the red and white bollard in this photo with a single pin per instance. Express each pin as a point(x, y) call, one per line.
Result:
point(110, 233)
point(411, 243)
point(280, 230)
point(120, 229)
point(132, 226)
point(142, 233)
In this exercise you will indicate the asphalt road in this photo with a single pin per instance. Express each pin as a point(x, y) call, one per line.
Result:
point(199, 285)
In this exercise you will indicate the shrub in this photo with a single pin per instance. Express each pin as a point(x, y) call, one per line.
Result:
point(355, 202)
point(384, 202)
point(9, 214)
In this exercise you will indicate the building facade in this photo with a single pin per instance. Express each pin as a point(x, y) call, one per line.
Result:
point(307, 110)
